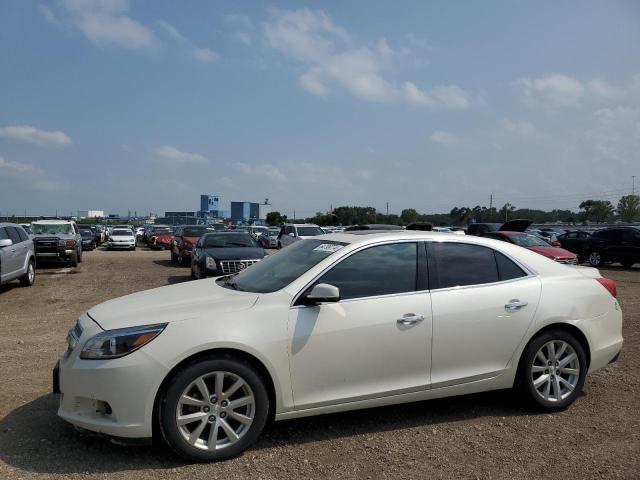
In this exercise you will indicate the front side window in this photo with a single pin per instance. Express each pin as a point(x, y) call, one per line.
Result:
point(379, 270)
point(23, 235)
point(13, 234)
point(309, 231)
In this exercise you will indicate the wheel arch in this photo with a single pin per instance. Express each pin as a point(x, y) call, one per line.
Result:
point(222, 351)
point(568, 328)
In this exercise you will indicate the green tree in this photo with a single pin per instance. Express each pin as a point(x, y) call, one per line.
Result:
point(409, 215)
point(629, 208)
point(507, 209)
point(275, 219)
point(598, 211)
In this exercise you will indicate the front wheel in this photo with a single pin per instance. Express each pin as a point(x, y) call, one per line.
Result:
point(73, 261)
point(552, 370)
point(214, 409)
point(29, 278)
point(595, 259)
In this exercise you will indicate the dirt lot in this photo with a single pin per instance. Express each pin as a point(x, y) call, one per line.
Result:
point(477, 436)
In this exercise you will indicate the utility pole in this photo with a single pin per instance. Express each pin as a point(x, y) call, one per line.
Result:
point(633, 184)
point(387, 209)
point(294, 215)
point(490, 201)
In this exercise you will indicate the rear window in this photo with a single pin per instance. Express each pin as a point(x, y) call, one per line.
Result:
point(229, 240)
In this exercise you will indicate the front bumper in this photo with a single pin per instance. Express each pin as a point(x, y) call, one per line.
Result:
point(130, 244)
point(111, 397)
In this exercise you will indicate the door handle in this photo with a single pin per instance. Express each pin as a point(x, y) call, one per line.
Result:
point(515, 305)
point(410, 319)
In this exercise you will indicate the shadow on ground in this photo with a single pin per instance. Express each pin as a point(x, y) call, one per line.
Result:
point(34, 439)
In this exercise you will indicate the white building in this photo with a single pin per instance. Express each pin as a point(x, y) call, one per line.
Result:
point(91, 214)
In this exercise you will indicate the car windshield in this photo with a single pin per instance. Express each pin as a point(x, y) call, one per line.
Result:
point(274, 232)
point(122, 232)
point(309, 231)
point(52, 228)
point(196, 231)
point(279, 270)
point(229, 240)
point(528, 241)
point(86, 233)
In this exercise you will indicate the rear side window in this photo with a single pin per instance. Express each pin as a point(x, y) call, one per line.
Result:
point(23, 235)
point(13, 234)
point(461, 264)
point(3, 233)
point(379, 270)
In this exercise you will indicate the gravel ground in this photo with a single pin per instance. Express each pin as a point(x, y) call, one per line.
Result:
point(477, 436)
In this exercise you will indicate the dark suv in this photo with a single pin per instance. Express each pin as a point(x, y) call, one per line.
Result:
point(619, 244)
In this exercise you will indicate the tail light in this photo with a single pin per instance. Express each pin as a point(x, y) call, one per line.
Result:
point(610, 285)
point(69, 243)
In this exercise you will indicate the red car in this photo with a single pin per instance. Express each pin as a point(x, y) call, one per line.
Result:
point(532, 242)
point(160, 237)
point(184, 240)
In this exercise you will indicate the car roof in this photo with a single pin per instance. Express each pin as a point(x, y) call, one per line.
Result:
point(302, 224)
point(56, 222)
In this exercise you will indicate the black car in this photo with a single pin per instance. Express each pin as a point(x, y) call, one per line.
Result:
point(88, 239)
point(575, 242)
point(510, 226)
point(97, 235)
point(616, 244)
point(224, 253)
point(372, 226)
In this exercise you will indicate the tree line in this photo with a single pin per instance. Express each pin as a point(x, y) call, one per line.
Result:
point(590, 211)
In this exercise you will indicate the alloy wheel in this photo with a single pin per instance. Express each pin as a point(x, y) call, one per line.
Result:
point(594, 258)
point(215, 411)
point(555, 371)
point(31, 273)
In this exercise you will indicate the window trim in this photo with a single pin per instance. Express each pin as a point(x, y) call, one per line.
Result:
point(419, 258)
point(432, 268)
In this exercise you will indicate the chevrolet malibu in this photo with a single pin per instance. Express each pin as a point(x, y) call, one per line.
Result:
point(334, 323)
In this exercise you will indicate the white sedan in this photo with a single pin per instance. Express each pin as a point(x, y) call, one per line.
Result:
point(339, 322)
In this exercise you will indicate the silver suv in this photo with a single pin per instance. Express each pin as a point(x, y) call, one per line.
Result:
point(292, 232)
point(17, 259)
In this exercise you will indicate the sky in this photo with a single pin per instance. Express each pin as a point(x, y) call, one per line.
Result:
point(143, 105)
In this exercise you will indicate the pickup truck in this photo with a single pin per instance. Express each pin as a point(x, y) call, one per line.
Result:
point(57, 241)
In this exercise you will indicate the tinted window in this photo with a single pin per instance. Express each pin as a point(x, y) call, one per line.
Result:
point(570, 235)
point(630, 234)
point(218, 240)
point(380, 270)
point(288, 230)
point(3, 233)
point(507, 269)
point(13, 234)
point(23, 235)
point(459, 264)
point(309, 231)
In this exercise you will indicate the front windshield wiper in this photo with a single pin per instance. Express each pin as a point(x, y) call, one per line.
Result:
point(237, 244)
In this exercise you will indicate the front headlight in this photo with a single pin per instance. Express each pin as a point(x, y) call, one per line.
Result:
point(211, 263)
point(120, 342)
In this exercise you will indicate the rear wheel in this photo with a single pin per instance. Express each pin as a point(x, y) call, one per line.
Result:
point(214, 409)
point(29, 278)
point(552, 370)
point(595, 259)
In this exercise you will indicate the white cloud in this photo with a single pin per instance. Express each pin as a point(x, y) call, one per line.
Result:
point(168, 152)
point(443, 138)
point(332, 61)
point(242, 37)
point(553, 90)
point(266, 170)
point(48, 15)
point(205, 55)
point(520, 128)
point(616, 136)
point(25, 133)
point(16, 166)
point(105, 22)
point(171, 30)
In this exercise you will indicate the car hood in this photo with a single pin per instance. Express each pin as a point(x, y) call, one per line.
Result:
point(170, 303)
point(552, 252)
point(239, 253)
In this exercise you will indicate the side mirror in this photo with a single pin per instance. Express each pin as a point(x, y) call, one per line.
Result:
point(6, 242)
point(322, 293)
point(292, 234)
point(556, 244)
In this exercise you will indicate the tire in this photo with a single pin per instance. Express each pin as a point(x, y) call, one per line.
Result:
point(29, 278)
point(193, 275)
point(73, 261)
point(595, 259)
point(174, 257)
point(182, 261)
point(216, 411)
point(80, 256)
point(537, 380)
point(132, 248)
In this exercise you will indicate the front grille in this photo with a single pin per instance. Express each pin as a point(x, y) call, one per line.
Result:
point(234, 266)
point(567, 261)
point(45, 245)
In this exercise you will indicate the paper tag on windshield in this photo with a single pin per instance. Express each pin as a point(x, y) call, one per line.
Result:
point(328, 247)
